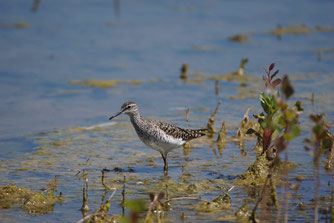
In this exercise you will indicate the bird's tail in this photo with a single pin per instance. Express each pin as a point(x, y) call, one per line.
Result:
point(195, 133)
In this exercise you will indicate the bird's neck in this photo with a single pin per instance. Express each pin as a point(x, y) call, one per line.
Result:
point(135, 118)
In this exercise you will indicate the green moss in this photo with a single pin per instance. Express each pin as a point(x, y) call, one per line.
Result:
point(285, 164)
point(180, 188)
point(186, 177)
point(32, 202)
point(256, 173)
point(227, 218)
point(56, 143)
point(242, 213)
point(273, 193)
point(191, 188)
point(223, 201)
point(150, 162)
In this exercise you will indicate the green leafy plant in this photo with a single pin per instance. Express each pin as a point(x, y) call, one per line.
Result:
point(279, 123)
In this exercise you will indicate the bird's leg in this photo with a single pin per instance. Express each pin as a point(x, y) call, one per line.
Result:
point(164, 157)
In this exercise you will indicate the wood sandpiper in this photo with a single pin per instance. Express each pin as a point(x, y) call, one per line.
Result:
point(158, 135)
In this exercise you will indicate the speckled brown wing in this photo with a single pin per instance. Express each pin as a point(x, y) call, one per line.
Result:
point(177, 132)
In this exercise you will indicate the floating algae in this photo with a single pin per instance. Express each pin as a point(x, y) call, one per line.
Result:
point(75, 148)
point(297, 29)
point(16, 25)
point(32, 202)
point(239, 38)
point(256, 173)
point(150, 162)
point(222, 201)
point(227, 77)
point(103, 83)
point(242, 213)
point(180, 188)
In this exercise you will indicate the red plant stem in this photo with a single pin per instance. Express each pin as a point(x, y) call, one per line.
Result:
point(266, 139)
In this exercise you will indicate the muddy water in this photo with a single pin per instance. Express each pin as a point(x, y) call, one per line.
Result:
point(56, 56)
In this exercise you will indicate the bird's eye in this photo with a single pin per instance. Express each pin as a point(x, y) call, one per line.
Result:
point(127, 107)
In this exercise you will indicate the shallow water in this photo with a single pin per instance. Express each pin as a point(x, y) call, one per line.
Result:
point(44, 117)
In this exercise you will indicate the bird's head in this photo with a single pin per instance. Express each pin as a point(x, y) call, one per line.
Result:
point(128, 108)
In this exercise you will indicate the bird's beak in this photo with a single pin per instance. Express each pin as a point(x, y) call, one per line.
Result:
point(116, 115)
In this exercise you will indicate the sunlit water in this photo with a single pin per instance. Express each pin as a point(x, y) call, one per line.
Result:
point(148, 41)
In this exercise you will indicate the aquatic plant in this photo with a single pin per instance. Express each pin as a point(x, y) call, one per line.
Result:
point(279, 124)
point(277, 121)
point(32, 202)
